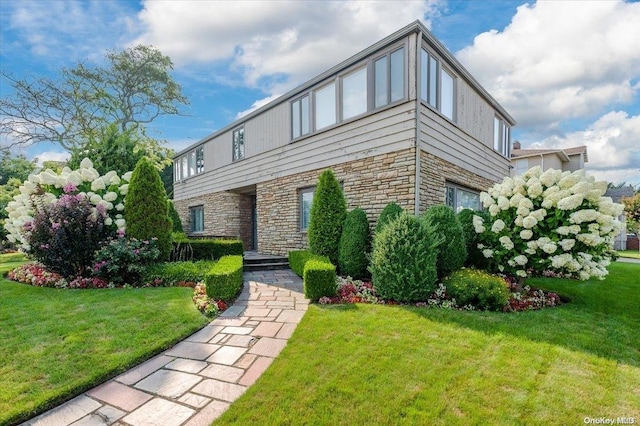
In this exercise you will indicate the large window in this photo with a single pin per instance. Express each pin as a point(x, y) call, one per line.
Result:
point(306, 199)
point(376, 83)
point(459, 198)
point(189, 164)
point(501, 137)
point(437, 85)
point(196, 219)
point(238, 144)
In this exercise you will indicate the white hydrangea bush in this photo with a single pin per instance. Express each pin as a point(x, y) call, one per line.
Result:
point(46, 187)
point(555, 221)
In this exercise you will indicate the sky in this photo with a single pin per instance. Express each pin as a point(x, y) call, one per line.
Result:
point(567, 71)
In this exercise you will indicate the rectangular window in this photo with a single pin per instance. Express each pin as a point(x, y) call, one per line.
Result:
point(200, 160)
point(389, 81)
point(380, 72)
point(306, 199)
point(176, 170)
point(501, 137)
point(238, 144)
point(397, 75)
point(437, 85)
point(354, 94)
point(325, 106)
point(185, 167)
point(196, 219)
point(189, 164)
point(459, 198)
point(192, 163)
point(446, 94)
point(300, 117)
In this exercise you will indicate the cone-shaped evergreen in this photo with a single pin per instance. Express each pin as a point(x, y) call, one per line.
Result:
point(355, 245)
point(390, 212)
point(147, 212)
point(328, 211)
point(452, 251)
point(175, 217)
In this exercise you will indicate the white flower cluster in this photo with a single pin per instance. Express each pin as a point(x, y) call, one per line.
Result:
point(552, 220)
point(47, 186)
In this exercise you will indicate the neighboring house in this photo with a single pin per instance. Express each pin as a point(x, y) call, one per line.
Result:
point(617, 194)
point(570, 159)
point(400, 121)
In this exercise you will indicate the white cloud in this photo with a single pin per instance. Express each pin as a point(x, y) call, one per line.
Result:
point(52, 156)
point(273, 45)
point(613, 146)
point(257, 104)
point(560, 60)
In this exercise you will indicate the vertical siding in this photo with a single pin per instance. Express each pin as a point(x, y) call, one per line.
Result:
point(475, 115)
point(267, 131)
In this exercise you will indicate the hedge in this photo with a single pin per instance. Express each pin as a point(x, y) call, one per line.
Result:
point(173, 273)
point(298, 258)
point(319, 279)
point(224, 280)
point(205, 249)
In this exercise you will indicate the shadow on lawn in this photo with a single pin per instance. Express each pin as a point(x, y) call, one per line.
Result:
point(602, 318)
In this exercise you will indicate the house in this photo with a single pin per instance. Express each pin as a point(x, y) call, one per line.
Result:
point(400, 121)
point(617, 194)
point(570, 159)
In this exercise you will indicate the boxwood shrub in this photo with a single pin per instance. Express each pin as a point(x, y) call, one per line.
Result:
point(173, 273)
point(205, 249)
point(224, 280)
point(319, 279)
point(298, 258)
point(477, 288)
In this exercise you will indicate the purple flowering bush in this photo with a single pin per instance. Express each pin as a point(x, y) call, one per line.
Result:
point(64, 235)
point(123, 260)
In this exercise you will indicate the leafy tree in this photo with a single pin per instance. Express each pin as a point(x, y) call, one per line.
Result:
point(328, 211)
point(632, 212)
point(132, 89)
point(15, 167)
point(147, 211)
point(452, 251)
point(390, 212)
point(355, 244)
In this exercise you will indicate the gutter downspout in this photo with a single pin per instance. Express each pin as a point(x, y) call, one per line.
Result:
point(417, 116)
point(542, 162)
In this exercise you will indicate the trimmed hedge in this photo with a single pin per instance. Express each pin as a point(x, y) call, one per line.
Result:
point(206, 249)
point(319, 279)
point(172, 273)
point(298, 258)
point(477, 288)
point(224, 280)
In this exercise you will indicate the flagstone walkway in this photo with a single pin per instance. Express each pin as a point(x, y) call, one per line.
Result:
point(195, 381)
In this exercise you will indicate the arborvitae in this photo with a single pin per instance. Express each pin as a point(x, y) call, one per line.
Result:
point(328, 211)
point(355, 244)
point(475, 258)
point(175, 217)
point(452, 251)
point(390, 212)
point(147, 212)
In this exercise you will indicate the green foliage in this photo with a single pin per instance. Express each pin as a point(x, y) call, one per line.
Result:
point(7, 192)
point(169, 274)
point(328, 211)
point(147, 213)
point(390, 212)
point(123, 260)
point(355, 245)
point(632, 212)
point(452, 252)
point(205, 249)
point(403, 260)
point(477, 288)
point(175, 217)
point(319, 279)
point(224, 280)
point(298, 258)
point(475, 258)
point(15, 167)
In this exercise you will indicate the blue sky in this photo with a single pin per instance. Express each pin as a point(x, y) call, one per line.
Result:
point(568, 71)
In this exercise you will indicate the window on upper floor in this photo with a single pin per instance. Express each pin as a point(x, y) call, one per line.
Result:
point(189, 164)
point(437, 85)
point(238, 144)
point(501, 136)
point(372, 84)
point(459, 197)
point(196, 219)
point(305, 196)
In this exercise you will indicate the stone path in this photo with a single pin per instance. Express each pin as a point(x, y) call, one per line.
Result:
point(195, 381)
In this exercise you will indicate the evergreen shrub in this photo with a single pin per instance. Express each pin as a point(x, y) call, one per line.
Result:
point(224, 280)
point(477, 288)
point(319, 279)
point(173, 273)
point(390, 212)
point(475, 258)
point(452, 251)
point(328, 212)
point(176, 222)
point(403, 260)
point(355, 245)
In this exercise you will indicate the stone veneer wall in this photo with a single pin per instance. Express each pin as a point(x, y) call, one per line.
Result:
point(369, 183)
point(434, 172)
point(226, 214)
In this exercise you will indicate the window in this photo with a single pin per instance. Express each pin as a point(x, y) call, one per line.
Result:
point(459, 198)
point(325, 106)
point(501, 137)
point(300, 117)
point(189, 164)
point(437, 85)
point(196, 219)
point(306, 199)
point(354, 94)
point(389, 78)
point(238, 144)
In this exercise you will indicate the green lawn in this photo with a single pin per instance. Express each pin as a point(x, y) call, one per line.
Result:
point(371, 364)
point(635, 254)
point(57, 343)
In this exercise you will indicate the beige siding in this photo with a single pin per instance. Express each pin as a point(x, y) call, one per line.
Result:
point(552, 162)
point(389, 130)
point(575, 163)
point(448, 142)
point(475, 116)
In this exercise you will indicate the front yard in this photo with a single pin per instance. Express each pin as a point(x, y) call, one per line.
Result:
point(373, 364)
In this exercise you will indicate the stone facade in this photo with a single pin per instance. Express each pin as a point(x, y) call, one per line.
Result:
point(435, 172)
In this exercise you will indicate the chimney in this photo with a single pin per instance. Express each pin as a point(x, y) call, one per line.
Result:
point(516, 145)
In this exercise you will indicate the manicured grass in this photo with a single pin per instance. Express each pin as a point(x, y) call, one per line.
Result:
point(57, 343)
point(372, 364)
point(635, 254)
